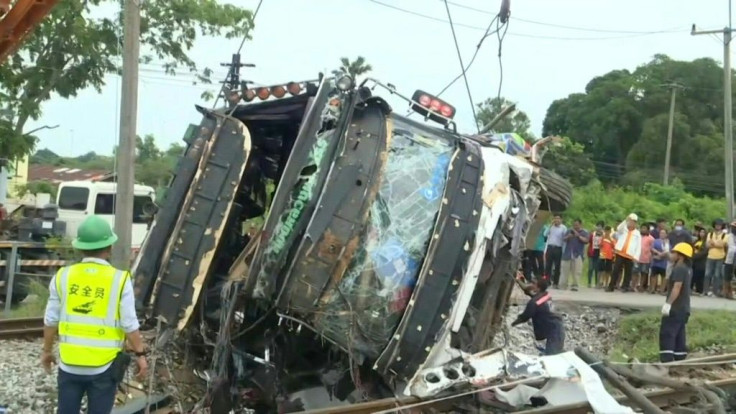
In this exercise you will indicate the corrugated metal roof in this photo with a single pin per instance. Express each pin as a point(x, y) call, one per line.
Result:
point(54, 174)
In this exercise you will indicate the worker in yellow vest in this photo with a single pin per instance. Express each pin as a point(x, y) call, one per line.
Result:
point(92, 308)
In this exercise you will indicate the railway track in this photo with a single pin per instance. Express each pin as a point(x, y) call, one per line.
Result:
point(17, 328)
point(662, 398)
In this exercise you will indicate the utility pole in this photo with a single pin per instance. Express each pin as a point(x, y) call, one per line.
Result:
point(727, 111)
point(670, 129)
point(128, 127)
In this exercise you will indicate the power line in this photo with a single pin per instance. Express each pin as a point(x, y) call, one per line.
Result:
point(462, 65)
point(582, 29)
point(532, 36)
point(501, 37)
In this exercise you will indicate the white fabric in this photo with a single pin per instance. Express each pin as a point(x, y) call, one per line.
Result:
point(634, 248)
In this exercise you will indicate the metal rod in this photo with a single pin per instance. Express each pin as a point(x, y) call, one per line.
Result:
point(620, 383)
point(503, 114)
point(11, 279)
point(727, 121)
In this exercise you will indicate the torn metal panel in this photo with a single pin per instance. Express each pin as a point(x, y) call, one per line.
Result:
point(297, 193)
point(189, 253)
point(564, 372)
point(442, 272)
point(332, 235)
point(366, 306)
point(147, 262)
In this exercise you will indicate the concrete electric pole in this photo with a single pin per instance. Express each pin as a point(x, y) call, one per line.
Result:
point(670, 129)
point(727, 111)
point(128, 127)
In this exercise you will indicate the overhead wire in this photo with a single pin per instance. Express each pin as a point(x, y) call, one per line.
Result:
point(501, 37)
point(462, 65)
point(561, 26)
point(532, 36)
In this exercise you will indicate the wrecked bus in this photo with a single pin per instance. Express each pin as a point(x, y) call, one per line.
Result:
point(316, 238)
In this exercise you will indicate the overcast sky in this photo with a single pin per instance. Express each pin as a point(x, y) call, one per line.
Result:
point(552, 48)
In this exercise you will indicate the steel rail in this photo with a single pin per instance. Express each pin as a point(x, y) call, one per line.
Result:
point(17, 328)
point(661, 398)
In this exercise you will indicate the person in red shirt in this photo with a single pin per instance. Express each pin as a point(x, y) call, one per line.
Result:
point(645, 259)
point(605, 260)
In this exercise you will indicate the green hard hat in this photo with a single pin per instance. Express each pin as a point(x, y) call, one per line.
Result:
point(93, 234)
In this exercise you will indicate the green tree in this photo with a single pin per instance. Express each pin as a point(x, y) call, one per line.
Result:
point(355, 68)
point(517, 121)
point(622, 120)
point(50, 63)
point(147, 149)
point(570, 160)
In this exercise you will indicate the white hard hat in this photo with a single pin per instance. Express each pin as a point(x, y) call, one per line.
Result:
point(634, 217)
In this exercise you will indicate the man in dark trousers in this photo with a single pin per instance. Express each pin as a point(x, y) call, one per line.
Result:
point(555, 240)
point(547, 324)
point(676, 310)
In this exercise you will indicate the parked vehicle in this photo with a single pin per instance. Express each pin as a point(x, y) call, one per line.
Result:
point(79, 199)
point(389, 244)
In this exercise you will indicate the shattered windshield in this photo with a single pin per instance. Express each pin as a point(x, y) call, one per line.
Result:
point(370, 300)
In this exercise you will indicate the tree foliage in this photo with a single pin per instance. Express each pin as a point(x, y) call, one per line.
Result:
point(612, 204)
point(76, 46)
point(622, 119)
point(518, 121)
point(353, 68)
point(153, 166)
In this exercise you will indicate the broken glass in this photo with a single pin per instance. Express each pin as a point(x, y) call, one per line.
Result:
point(364, 310)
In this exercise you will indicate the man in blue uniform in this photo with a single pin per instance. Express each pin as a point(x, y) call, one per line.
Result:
point(676, 310)
point(547, 324)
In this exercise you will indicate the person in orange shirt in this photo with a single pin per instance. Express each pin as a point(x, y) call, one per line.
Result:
point(605, 262)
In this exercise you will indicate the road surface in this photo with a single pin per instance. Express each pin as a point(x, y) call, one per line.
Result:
point(599, 297)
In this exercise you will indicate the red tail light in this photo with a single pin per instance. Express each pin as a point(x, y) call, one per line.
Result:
point(263, 93)
point(278, 91)
point(432, 107)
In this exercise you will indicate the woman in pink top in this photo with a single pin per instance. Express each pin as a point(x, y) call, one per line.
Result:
point(645, 259)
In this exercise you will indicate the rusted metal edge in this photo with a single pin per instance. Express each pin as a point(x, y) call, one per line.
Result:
point(452, 242)
point(334, 231)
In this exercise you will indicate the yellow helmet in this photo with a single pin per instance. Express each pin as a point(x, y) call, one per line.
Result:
point(684, 249)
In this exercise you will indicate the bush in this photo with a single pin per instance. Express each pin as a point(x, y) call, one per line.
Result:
point(595, 202)
point(638, 334)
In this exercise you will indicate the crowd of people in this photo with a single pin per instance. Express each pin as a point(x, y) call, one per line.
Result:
point(632, 256)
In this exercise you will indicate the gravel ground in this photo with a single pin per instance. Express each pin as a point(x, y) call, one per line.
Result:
point(24, 386)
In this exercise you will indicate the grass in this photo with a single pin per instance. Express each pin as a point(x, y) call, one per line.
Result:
point(638, 334)
point(34, 305)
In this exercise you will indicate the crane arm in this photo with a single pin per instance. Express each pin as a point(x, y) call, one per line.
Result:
point(19, 19)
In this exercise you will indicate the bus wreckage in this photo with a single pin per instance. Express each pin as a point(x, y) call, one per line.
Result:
point(380, 257)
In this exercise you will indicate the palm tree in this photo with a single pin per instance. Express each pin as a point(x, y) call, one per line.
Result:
point(354, 69)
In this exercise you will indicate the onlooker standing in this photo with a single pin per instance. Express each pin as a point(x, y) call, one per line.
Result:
point(645, 259)
point(680, 234)
point(676, 310)
point(661, 225)
point(553, 257)
point(572, 255)
point(700, 253)
point(728, 267)
point(536, 255)
point(628, 250)
point(660, 259)
point(594, 252)
point(716, 243)
point(605, 262)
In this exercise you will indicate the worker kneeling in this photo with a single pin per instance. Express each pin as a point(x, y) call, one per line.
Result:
point(547, 324)
point(676, 310)
point(91, 307)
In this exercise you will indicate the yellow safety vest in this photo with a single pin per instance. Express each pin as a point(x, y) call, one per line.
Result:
point(90, 334)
